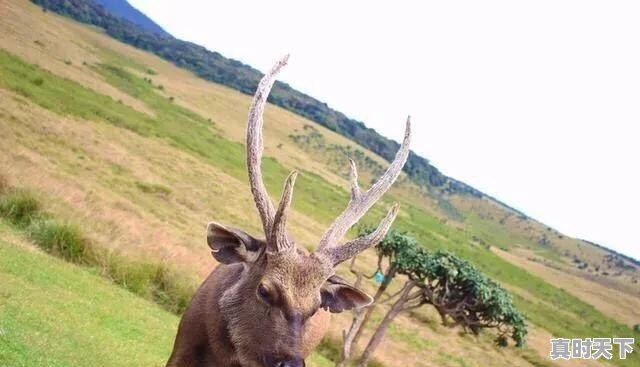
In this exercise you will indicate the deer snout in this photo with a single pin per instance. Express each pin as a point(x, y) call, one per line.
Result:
point(290, 363)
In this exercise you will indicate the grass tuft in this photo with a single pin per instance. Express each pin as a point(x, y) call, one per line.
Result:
point(19, 207)
point(62, 239)
point(152, 280)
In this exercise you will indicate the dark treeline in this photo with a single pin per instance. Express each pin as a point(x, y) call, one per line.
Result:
point(123, 9)
point(213, 66)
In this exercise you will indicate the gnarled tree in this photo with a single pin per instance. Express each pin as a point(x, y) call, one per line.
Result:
point(462, 295)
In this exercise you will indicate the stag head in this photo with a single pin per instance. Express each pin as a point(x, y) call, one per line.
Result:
point(280, 288)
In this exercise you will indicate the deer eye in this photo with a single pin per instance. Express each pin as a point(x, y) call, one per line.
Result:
point(265, 295)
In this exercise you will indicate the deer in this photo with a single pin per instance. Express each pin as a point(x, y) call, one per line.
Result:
point(269, 302)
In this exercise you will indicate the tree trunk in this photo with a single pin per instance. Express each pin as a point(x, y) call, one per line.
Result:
point(377, 337)
point(388, 277)
point(348, 337)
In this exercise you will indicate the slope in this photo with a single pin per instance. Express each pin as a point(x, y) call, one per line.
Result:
point(596, 263)
point(44, 308)
point(213, 66)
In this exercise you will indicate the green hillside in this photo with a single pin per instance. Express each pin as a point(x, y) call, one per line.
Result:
point(56, 314)
point(53, 313)
point(139, 154)
point(215, 67)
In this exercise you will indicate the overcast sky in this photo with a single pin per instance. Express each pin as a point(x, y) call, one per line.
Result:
point(535, 103)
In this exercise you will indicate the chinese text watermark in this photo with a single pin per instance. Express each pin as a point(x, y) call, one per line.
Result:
point(590, 348)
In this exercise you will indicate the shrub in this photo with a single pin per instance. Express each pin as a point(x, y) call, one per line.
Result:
point(171, 289)
point(150, 280)
point(59, 238)
point(460, 293)
point(18, 206)
point(126, 273)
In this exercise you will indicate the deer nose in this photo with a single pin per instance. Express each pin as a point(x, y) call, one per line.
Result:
point(291, 363)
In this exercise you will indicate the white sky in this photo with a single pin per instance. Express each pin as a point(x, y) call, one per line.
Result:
point(535, 103)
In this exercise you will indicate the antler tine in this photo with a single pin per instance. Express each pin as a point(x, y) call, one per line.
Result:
point(350, 249)
point(255, 146)
point(278, 236)
point(359, 204)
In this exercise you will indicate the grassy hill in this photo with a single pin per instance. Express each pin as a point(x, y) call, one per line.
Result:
point(56, 314)
point(213, 66)
point(53, 313)
point(141, 154)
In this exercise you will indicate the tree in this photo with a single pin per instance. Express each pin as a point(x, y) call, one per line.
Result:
point(461, 294)
point(391, 245)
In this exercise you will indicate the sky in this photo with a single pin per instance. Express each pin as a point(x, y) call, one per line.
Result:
point(535, 103)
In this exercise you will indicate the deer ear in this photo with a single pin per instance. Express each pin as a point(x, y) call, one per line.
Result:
point(230, 246)
point(337, 296)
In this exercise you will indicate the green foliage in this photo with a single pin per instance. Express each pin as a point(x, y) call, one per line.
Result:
point(19, 207)
point(60, 238)
point(151, 280)
point(454, 287)
point(213, 66)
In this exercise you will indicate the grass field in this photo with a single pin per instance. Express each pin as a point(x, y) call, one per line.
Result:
point(53, 313)
point(139, 154)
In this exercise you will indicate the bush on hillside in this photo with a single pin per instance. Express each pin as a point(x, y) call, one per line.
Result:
point(59, 238)
point(19, 207)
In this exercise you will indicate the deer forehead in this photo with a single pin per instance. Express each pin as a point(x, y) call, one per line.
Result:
point(298, 277)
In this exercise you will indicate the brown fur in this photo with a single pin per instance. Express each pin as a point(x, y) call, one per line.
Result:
point(228, 323)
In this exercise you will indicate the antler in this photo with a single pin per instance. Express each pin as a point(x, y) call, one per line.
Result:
point(273, 223)
point(359, 204)
point(278, 235)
